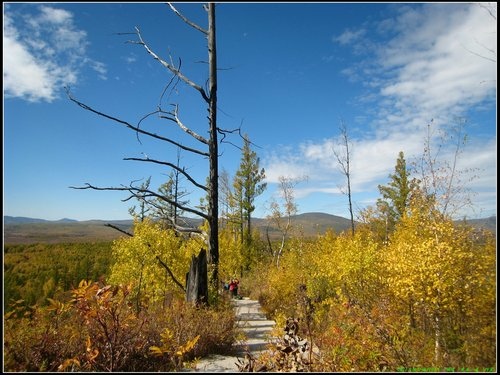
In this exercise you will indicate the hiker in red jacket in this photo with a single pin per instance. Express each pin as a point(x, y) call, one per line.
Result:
point(233, 287)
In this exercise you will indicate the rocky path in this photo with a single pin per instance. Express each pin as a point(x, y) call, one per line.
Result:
point(256, 327)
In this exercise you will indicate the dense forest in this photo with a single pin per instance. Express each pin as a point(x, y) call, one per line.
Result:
point(424, 299)
point(35, 272)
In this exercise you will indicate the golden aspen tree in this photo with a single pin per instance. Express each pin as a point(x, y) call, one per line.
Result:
point(142, 260)
point(431, 265)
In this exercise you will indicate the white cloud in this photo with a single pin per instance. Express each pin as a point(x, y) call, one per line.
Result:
point(43, 52)
point(349, 36)
point(100, 68)
point(131, 59)
point(433, 71)
point(23, 76)
point(371, 161)
point(285, 163)
point(53, 15)
point(425, 71)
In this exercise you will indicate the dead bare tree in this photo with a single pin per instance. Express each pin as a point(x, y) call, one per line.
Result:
point(210, 144)
point(281, 215)
point(487, 52)
point(143, 208)
point(168, 215)
point(343, 155)
point(438, 167)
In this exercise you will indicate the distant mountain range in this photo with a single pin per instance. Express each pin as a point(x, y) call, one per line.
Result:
point(31, 230)
point(318, 218)
point(25, 220)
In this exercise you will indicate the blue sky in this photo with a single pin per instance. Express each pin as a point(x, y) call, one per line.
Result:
point(290, 73)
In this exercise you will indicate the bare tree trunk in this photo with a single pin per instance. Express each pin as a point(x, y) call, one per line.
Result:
point(283, 239)
point(287, 185)
point(197, 279)
point(437, 340)
point(213, 206)
point(144, 193)
point(176, 187)
point(344, 163)
point(249, 229)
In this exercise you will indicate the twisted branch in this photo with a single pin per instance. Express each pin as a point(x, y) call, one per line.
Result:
point(140, 193)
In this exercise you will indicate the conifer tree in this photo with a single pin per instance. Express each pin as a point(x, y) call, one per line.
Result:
point(397, 193)
point(248, 184)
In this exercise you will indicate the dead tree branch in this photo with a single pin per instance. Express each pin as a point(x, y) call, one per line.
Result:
point(175, 118)
point(136, 128)
point(190, 23)
point(224, 133)
point(169, 84)
point(118, 229)
point(178, 228)
point(170, 273)
point(171, 67)
point(181, 170)
point(139, 193)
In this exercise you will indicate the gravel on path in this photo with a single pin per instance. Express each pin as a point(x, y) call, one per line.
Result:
point(252, 321)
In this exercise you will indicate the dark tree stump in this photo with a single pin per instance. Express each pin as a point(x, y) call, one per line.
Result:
point(197, 279)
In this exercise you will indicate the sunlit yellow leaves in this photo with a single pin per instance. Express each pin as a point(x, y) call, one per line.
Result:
point(188, 346)
point(156, 351)
point(428, 288)
point(438, 267)
point(169, 346)
point(231, 254)
point(57, 306)
point(137, 261)
point(69, 363)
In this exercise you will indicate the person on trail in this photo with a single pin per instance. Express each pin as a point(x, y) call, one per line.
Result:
point(225, 286)
point(233, 287)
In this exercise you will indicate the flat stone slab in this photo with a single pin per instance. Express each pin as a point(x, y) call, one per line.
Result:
point(253, 322)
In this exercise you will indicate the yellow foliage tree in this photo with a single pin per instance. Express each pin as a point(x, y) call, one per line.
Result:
point(231, 250)
point(350, 264)
point(155, 260)
point(432, 265)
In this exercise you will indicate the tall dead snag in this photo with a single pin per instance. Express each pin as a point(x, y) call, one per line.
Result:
point(196, 279)
point(213, 204)
point(344, 160)
point(211, 144)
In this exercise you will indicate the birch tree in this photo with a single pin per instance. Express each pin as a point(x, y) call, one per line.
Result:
point(440, 175)
point(281, 214)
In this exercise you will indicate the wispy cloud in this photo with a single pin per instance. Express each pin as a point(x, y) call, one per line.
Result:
point(349, 36)
point(286, 162)
point(422, 70)
point(43, 51)
point(432, 70)
point(132, 58)
point(100, 68)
